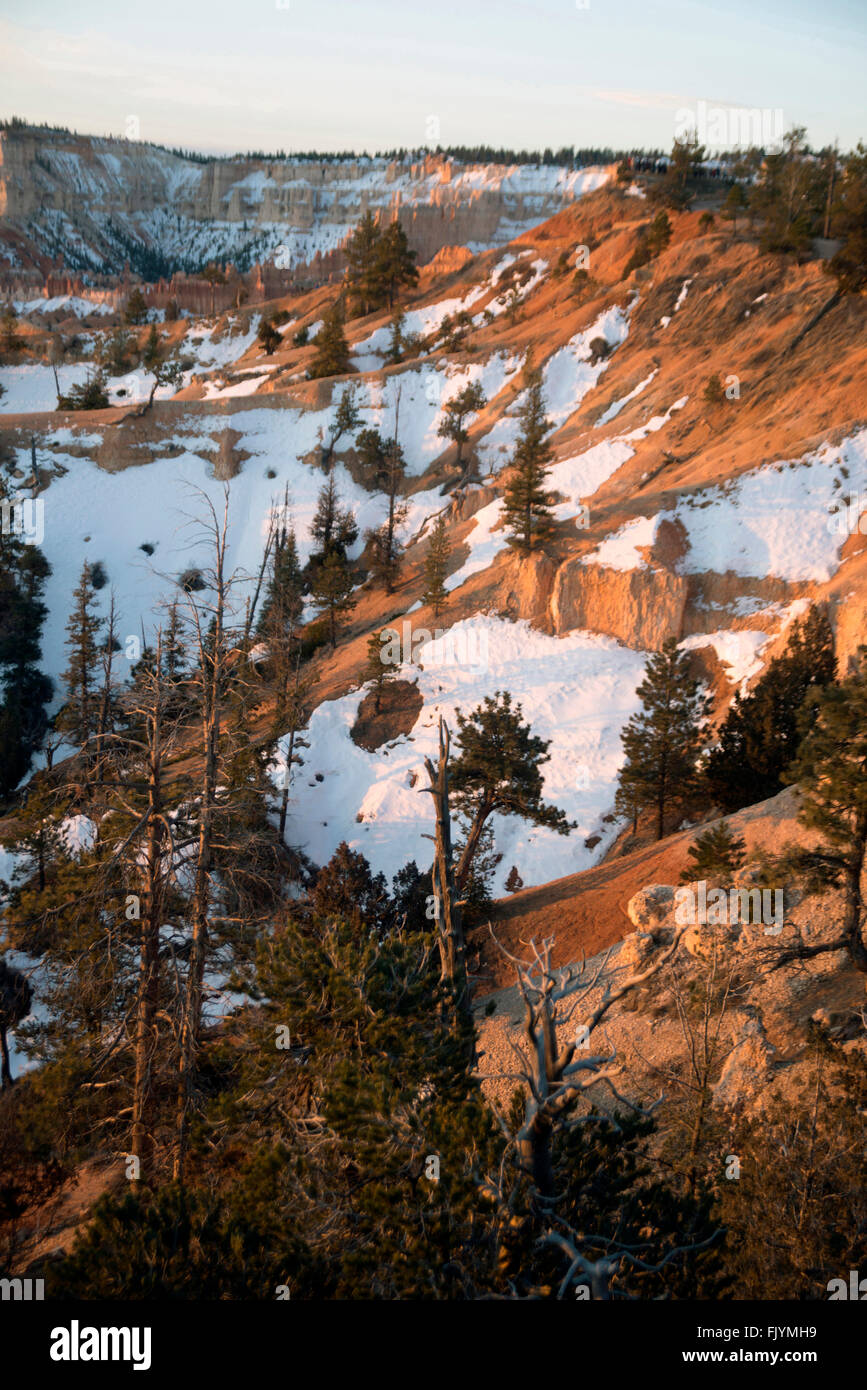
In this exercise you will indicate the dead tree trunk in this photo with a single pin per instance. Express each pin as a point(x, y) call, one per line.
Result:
point(211, 665)
point(452, 946)
point(147, 1004)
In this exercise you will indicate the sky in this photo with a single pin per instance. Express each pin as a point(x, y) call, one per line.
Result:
point(379, 74)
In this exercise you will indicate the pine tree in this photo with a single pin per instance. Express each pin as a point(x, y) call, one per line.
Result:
point(268, 336)
point(436, 567)
point(395, 263)
point(498, 771)
point(364, 267)
point(332, 349)
point(78, 717)
point(759, 737)
point(658, 234)
point(332, 593)
point(346, 419)
point(378, 671)
point(736, 201)
point(527, 502)
point(477, 897)
point(469, 400)
point(396, 341)
point(346, 888)
point(849, 264)
point(25, 691)
point(151, 354)
point(386, 549)
point(831, 768)
point(716, 853)
point(135, 310)
point(663, 742)
point(333, 527)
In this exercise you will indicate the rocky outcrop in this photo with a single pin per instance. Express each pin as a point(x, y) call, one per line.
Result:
point(47, 175)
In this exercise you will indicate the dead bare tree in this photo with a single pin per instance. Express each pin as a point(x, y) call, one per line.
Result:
point(452, 945)
point(208, 619)
point(557, 1077)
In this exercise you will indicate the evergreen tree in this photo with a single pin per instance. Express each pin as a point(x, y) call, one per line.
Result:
point(284, 598)
point(411, 891)
point(24, 690)
point(395, 263)
point(346, 419)
point(332, 593)
point(332, 349)
point(736, 201)
point(378, 672)
point(831, 768)
point(477, 896)
point(676, 187)
point(716, 853)
point(396, 341)
point(658, 234)
point(849, 264)
point(333, 527)
point(759, 737)
point(347, 889)
point(78, 718)
point(498, 771)
point(268, 336)
point(364, 267)
point(386, 549)
point(436, 565)
point(527, 502)
point(135, 310)
point(663, 742)
point(469, 400)
point(372, 451)
point(151, 354)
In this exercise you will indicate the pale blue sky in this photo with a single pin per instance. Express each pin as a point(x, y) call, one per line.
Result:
point(369, 74)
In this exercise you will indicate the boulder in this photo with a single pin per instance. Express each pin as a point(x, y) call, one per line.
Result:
point(650, 906)
point(748, 1067)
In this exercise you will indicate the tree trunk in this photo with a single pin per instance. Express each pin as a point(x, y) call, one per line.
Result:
point(5, 1071)
point(465, 862)
point(211, 662)
point(452, 946)
point(148, 982)
point(853, 905)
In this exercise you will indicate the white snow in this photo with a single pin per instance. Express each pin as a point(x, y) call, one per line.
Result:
point(616, 406)
point(484, 544)
point(568, 374)
point(31, 387)
point(738, 649)
point(577, 690)
point(622, 551)
point(778, 520)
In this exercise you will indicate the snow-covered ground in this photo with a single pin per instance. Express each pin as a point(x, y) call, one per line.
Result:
point(91, 515)
point(788, 519)
point(577, 690)
point(31, 387)
point(66, 303)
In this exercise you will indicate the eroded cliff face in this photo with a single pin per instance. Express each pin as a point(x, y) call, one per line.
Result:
point(65, 192)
